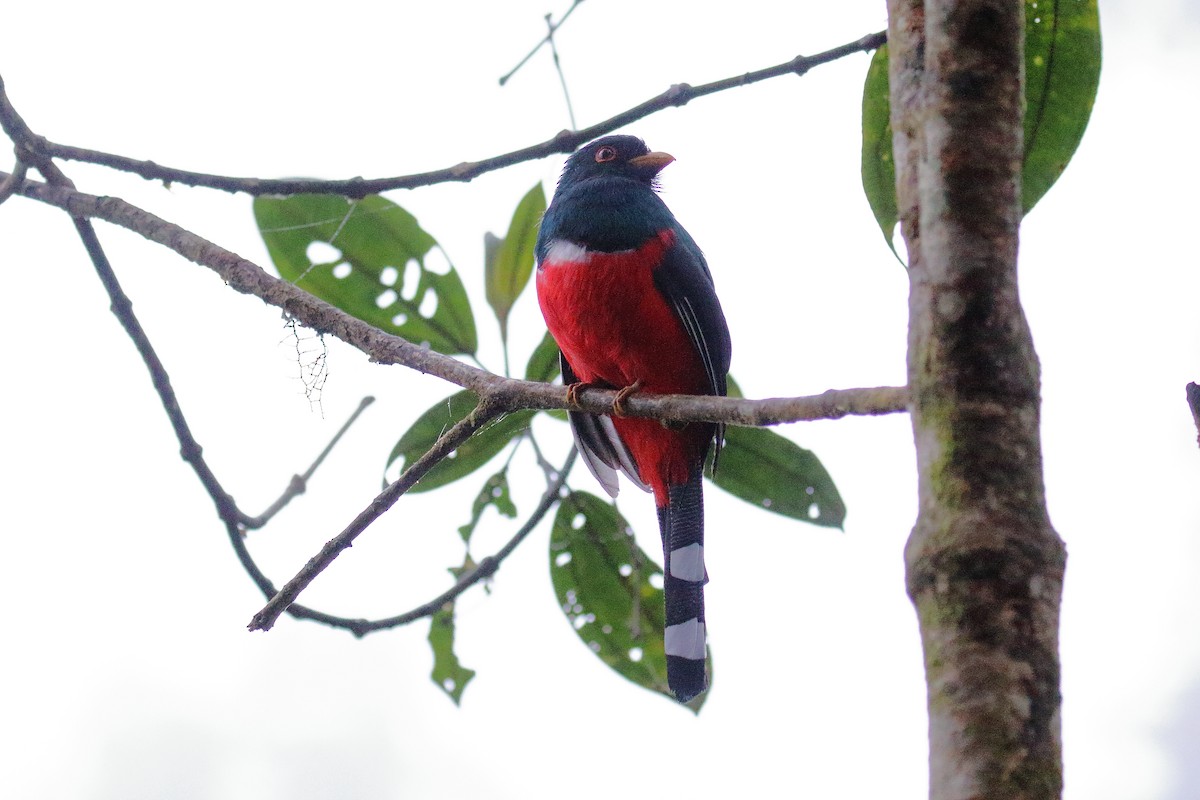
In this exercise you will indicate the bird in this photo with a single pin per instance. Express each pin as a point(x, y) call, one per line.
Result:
point(629, 298)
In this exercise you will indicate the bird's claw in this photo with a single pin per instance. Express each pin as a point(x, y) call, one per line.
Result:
point(573, 390)
point(618, 406)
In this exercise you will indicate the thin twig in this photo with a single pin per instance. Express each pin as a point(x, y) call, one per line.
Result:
point(487, 410)
point(562, 79)
point(1193, 398)
point(487, 566)
point(384, 348)
point(299, 483)
point(8, 186)
point(122, 308)
point(545, 39)
point(564, 142)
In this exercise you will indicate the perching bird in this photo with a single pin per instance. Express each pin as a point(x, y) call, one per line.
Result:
point(628, 296)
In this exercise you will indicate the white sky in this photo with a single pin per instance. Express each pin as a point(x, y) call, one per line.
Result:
point(128, 672)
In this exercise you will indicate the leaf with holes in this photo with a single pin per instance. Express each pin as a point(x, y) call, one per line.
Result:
point(772, 472)
point(508, 262)
point(470, 455)
point(1062, 72)
point(494, 493)
point(368, 257)
point(449, 675)
point(611, 591)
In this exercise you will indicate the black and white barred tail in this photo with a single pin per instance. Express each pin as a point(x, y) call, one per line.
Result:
point(681, 523)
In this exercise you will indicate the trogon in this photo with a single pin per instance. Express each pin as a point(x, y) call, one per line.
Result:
point(629, 298)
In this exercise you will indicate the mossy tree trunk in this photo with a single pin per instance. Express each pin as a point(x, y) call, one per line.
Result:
point(985, 567)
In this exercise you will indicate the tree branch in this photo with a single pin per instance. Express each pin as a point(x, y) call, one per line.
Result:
point(249, 278)
point(486, 567)
point(299, 483)
point(1193, 399)
point(490, 407)
point(563, 142)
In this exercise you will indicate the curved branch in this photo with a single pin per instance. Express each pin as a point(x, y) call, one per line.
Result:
point(564, 142)
point(486, 567)
point(299, 483)
point(249, 278)
point(488, 409)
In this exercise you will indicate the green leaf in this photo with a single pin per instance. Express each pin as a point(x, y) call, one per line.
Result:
point(449, 675)
point(772, 472)
point(603, 583)
point(878, 166)
point(543, 364)
point(508, 262)
point(494, 493)
point(1062, 72)
point(371, 265)
point(470, 455)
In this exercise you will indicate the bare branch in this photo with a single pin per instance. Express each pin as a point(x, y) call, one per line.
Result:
point(547, 39)
point(246, 276)
point(488, 409)
point(299, 483)
point(488, 566)
point(563, 142)
point(1193, 398)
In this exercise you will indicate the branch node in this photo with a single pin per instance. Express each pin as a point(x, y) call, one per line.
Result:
point(679, 94)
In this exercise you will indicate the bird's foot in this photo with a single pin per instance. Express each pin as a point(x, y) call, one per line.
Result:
point(618, 406)
point(573, 390)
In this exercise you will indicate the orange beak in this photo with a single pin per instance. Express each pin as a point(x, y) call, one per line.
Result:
point(653, 162)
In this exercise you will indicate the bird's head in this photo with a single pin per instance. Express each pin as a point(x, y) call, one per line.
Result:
point(614, 157)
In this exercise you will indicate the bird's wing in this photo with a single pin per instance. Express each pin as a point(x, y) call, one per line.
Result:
point(598, 443)
point(685, 282)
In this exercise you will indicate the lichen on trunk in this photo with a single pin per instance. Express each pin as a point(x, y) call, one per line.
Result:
point(984, 565)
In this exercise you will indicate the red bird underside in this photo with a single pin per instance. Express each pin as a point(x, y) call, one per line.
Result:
point(615, 329)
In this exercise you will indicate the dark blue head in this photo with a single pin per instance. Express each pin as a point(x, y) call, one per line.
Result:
point(614, 157)
point(606, 199)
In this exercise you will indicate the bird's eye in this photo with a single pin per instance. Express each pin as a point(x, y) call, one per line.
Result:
point(605, 153)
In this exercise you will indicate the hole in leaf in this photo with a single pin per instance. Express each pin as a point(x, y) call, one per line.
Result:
point(388, 276)
point(449, 684)
point(578, 521)
point(386, 299)
point(810, 491)
point(436, 262)
point(322, 253)
point(561, 560)
point(626, 570)
point(577, 608)
point(399, 319)
point(497, 491)
point(341, 270)
point(429, 304)
point(412, 279)
point(766, 503)
point(656, 580)
point(813, 511)
point(635, 654)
